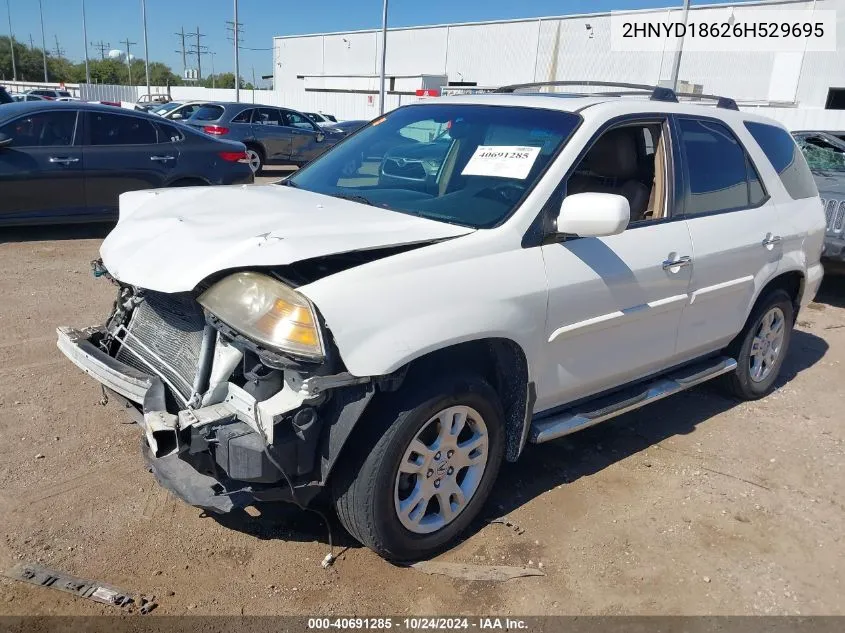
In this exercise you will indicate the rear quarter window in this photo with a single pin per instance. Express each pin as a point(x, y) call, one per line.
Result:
point(786, 157)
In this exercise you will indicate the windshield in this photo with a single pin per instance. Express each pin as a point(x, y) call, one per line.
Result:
point(823, 152)
point(464, 164)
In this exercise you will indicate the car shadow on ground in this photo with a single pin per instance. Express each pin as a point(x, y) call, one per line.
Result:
point(55, 232)
point(546, 466)
point(832, 290)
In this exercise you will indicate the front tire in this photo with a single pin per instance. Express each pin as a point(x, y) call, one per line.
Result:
point(761, 347)
point(426, 466)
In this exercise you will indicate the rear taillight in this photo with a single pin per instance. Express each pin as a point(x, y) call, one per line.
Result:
point(216, 130)
point(111, 103)
point(233, 157)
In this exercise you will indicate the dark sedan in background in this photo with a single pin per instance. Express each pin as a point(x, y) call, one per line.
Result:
point(69, 161)
point(271, 134)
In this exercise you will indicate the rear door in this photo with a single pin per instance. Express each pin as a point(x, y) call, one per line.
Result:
point(734, 226)
point(305, 145)
point(269, 129)
point(122, 154)
point(41, 170)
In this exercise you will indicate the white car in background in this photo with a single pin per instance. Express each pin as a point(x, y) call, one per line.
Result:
point(184, 111)
point(328, 120)
point(514, 268)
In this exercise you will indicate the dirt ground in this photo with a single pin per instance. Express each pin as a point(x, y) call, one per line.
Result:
point(695, 505)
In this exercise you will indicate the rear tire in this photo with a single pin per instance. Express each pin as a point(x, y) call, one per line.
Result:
point(255, 157)
point(397, 513)
point(761, 347)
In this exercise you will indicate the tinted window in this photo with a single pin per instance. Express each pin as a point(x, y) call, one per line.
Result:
point(4, 96)
point(268, 116)
point(64, 93)
point(244, 117)
point(115, 129)
point(44, 129)
point(717, 169)
point(169, 134)
point(207, 113)
point(295, 119)
point(786, 158)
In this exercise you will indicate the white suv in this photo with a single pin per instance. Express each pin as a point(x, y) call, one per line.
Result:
point(534, 264)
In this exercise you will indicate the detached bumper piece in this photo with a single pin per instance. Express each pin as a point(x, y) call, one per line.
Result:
point(834, 250)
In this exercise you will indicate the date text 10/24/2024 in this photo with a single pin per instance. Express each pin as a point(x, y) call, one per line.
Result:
point(418, 623)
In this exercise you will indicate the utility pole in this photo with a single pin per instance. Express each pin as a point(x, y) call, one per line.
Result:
point(235, 27)
point(383, 56)
point(197, 49)
point(85, 40)
point(181, 34)
point(12, 43)
point(146, 50)
point(59, 50)
point(31, 43)
point(43, 42)
point(253, 84)
point(676, 64)
point(213, 75)
point(103, 46)
point(129, 57)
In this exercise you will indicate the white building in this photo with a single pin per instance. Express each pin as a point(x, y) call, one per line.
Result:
point(338, 72)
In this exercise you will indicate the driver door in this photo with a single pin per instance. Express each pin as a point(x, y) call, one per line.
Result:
point(615, 302)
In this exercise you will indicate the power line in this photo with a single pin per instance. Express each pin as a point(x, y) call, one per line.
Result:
point(102, 46)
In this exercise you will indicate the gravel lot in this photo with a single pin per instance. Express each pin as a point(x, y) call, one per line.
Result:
point(695, 505)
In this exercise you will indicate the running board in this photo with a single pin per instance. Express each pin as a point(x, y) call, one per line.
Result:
point(592, 412)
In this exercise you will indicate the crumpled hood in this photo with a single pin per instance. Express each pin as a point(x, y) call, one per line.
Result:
point(171, 239)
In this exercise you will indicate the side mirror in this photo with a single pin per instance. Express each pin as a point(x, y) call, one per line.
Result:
point(5, 140)
point(594, 214)
point(176, 117)
point(320, 137)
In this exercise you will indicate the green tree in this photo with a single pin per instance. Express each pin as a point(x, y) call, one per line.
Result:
point(224, 80)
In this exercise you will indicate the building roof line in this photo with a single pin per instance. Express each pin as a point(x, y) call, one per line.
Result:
point(573, 16)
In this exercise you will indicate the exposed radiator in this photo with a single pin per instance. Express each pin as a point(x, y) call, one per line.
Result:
point(164, 337)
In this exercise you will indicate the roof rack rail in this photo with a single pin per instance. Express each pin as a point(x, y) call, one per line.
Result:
point(658, 93)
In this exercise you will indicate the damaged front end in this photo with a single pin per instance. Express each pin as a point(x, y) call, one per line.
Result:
point(228, 419)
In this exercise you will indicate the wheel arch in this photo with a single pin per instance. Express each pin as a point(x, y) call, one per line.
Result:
point(791, 281)
point(500, 361)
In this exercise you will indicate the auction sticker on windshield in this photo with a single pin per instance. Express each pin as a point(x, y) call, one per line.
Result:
point(503, 161)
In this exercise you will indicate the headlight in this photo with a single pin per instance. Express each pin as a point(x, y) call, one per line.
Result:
point(266, 311)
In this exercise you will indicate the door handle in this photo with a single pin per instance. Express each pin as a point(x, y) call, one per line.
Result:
point(771, 240)
point(162, 158)
point(63, 160)
point(686, 260)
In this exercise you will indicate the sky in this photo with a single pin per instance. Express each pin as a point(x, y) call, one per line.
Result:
point(113, 21)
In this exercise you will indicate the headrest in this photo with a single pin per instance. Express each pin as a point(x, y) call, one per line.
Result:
point(614, 155)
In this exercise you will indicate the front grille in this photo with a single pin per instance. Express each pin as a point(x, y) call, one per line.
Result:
point(834, 214)
point(404, 168)
point(164, 335)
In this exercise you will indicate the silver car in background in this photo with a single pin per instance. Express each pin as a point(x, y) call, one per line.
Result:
point(271, 134)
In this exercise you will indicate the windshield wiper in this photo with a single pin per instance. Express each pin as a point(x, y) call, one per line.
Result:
point(353, 197)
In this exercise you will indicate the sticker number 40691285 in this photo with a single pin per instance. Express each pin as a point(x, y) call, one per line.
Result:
point(503, 161)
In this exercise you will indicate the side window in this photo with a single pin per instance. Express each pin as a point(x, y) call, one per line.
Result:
point(244, 117)
point(169, 134)
point(43, 129)
point(717, 168)
point(785, 157)
point(115, 129)
point(294, 119)
point(628, 161)
point(268, 116)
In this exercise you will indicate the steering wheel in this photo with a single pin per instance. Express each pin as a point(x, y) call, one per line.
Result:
point(508, 192)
